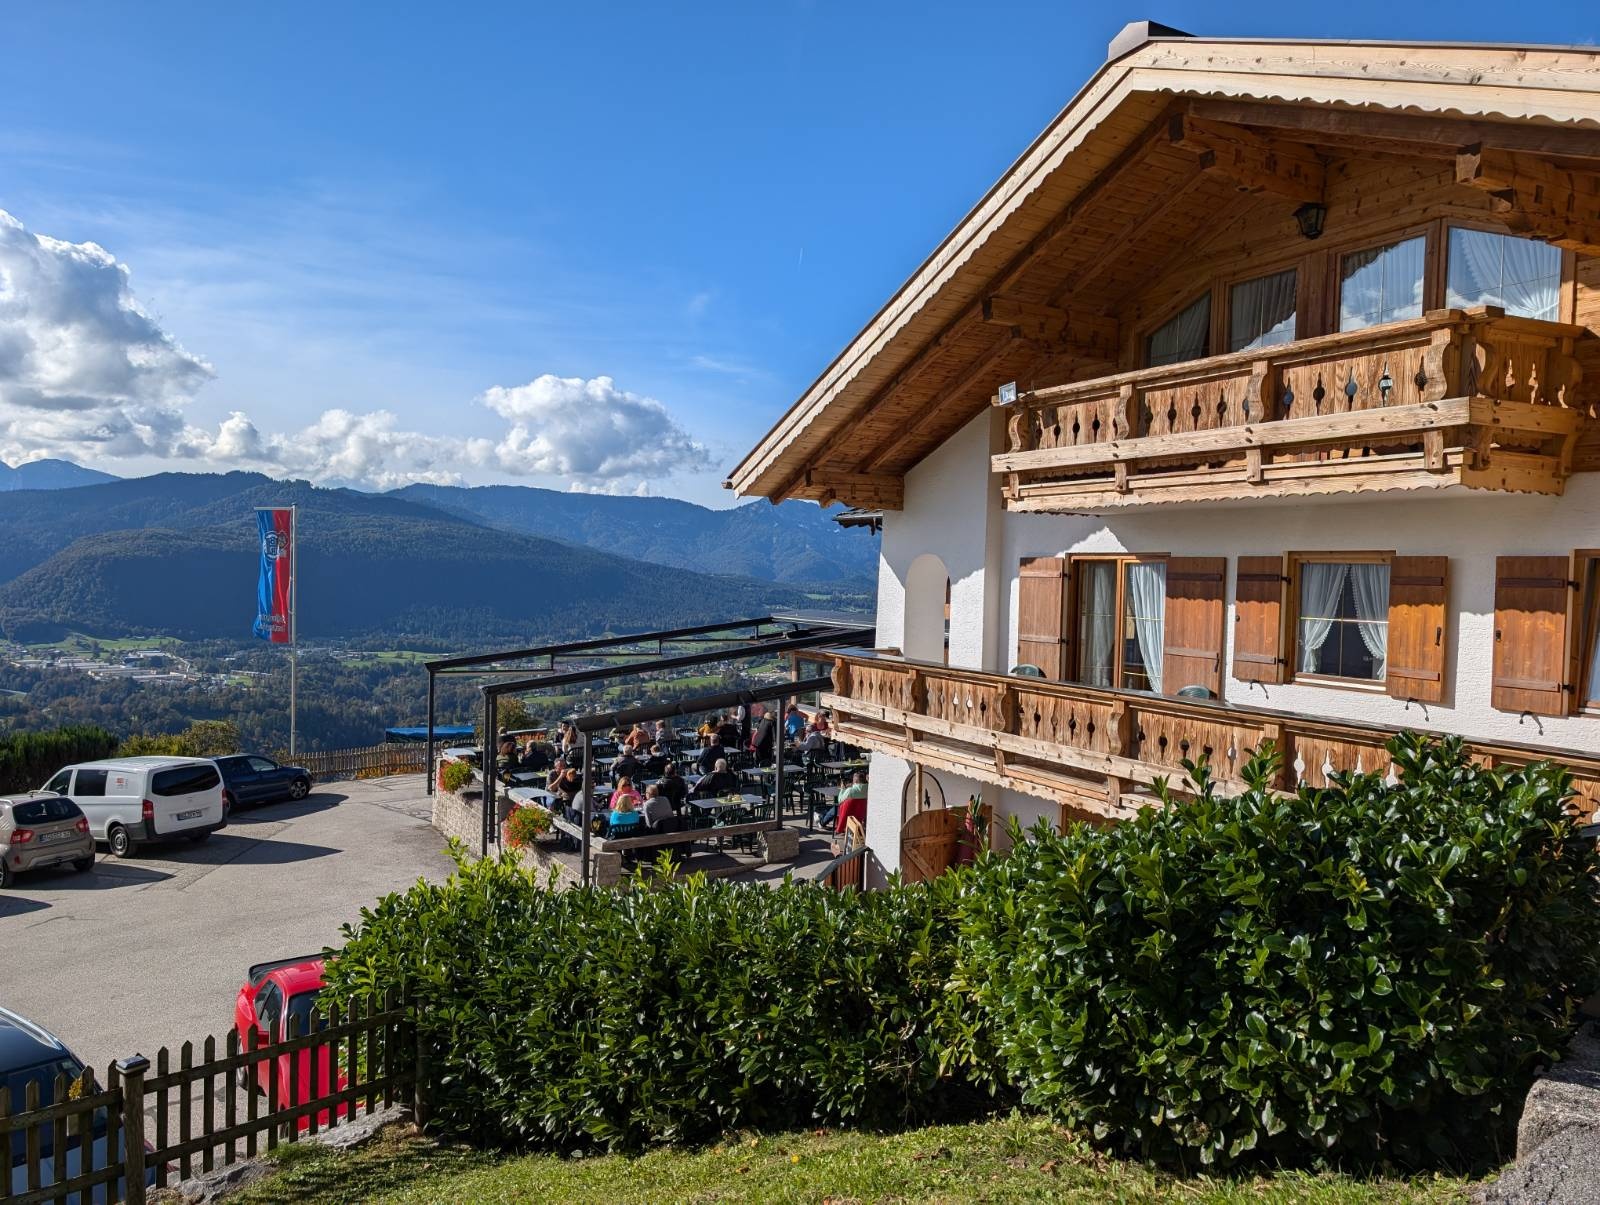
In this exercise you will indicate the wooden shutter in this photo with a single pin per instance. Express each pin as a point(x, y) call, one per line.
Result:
point(1258, 619)
point(1417, 587)
point(1044, 633)
point(1192, 641)
point(1531, 599)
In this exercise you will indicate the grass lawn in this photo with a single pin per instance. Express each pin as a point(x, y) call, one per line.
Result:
point(78, 643)
point(1005, 1160)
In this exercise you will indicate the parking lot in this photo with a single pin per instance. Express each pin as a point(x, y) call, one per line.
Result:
point(151, 951)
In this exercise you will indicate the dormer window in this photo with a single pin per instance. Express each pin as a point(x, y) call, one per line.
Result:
point(1381, 284)
point(1185, 336)
point(1519, 275)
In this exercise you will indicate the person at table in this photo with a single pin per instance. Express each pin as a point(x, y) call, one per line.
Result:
point(852, 802)
point(764, 739)
point(794, 724)
point(535, 756)
point(815, 746)
point(624, 807)
point(655, 763)
point(565, 785)
point(673, 786)
point(638, 740)
point(569, 740)
point(626, 766)
point(665, 735)
point(819, 722)
point(728, 733)
point(708, 728)
point(721, 781)
point(657, 811)
point(710, 756)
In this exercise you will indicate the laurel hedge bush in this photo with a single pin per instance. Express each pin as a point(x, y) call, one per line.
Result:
point(29, 759)
point(595, 1018)
point(1365, 971)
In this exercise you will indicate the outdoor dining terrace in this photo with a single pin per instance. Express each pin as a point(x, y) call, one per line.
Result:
point(1097, 752)
point(1472, 398)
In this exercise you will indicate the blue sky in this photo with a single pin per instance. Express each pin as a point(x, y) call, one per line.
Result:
point(423, 211)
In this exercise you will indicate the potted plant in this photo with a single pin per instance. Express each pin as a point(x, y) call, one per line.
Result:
point(454, 776)
point(526, 824)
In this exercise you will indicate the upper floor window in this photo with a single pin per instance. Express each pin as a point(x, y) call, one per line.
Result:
point(1381, 284)
point(1261, 311)
point(1342, 618)
point(1185, 336)
point(1519, 275)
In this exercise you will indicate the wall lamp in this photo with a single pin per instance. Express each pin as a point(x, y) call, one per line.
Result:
point(1310, 218)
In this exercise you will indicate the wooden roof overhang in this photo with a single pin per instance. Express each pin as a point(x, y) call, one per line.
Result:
point(1157, 145)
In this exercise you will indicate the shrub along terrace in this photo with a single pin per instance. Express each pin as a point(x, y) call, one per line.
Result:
point(1358, 976)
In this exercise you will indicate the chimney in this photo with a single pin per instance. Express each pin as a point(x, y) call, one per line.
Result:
point(1136, 33)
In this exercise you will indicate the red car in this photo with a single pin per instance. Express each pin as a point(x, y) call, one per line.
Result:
point(272, 993)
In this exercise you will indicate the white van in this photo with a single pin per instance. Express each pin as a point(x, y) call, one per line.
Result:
point(134, 799)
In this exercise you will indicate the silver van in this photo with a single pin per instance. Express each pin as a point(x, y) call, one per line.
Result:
point(130, 800)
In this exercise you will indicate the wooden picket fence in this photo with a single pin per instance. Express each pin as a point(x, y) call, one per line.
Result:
point(207, 1112)
point(368, 761)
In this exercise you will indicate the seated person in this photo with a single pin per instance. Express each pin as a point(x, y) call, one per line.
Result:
point(794, 724)
point(852, 803)
point(710, 756)
point(624, 812)
point(657, 811)
point(721, 781)
point(815, 747)
point(708, 727)
point(535, 756)
point(638, 740)
point(664, 734)
point(506, 754)
point(819, 722)
point(673, 787)
point(626, 766)
point(728, 733)
point(565, 786)
point(655, 764)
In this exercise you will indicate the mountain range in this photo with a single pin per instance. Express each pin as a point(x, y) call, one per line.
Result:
point(49, 475)
point(175, 554)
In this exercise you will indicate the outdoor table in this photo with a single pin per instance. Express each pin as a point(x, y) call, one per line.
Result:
point(463, 752)
point(531, 795)
point(768, 772)
point(525, 778)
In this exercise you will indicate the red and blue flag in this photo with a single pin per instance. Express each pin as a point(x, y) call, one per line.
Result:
point(276, 528)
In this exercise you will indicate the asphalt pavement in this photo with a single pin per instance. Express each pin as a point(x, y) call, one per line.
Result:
point(150, 951)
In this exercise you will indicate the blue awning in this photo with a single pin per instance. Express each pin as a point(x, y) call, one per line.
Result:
point(441, 732)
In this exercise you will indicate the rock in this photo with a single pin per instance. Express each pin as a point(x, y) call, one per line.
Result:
point(361, 1130)
point(213, 1186)
point(1566, 1095)
point(1558, 1136)
point(780, 845)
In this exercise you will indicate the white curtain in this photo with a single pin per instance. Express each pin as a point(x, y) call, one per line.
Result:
point(1261, 311)
point(1381, 284)
point(1370, 585)
point(1184, 337)
point(1321, 584)
point(1147, 598)
point(1496, 269)
point(1098, 627)
point(1594, 670)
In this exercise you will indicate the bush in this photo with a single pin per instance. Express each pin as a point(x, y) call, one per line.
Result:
point(1368, 970)
point(526, 823)
point(593, 1017)
point(203, 738)
point(455, 775)
point(28, 759)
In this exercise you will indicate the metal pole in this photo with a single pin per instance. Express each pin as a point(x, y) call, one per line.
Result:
point(490, 747)
point(588, 799)
point(294, 620)
point(777, 769)
point(428, 760)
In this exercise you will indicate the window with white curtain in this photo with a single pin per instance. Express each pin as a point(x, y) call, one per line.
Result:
point(1342, 623)
point(1185, 336)
point(1261, 311)
point(1381, 284)
point(1121, 622)
point(1591, 633)
point(1518, 274)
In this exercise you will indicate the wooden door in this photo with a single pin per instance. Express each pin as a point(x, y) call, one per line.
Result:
point(928, 843)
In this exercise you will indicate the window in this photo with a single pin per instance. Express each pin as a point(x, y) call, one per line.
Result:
point(269, 1002)
point(1519, 275)
point(1342, 618)
point(90, 783)
point(1589, 575)
point(1121, 623)
point(58, 784)
point(1187, 336)
point(184, 780)
point(261, 765)
point(1381, 284)
point(1261, 311)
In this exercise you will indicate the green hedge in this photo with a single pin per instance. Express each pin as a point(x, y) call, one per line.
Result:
point(28, 759)
point(597, 1018)
point(1363, 971)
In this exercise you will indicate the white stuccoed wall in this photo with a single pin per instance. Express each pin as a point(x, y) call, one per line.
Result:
point(953, 512)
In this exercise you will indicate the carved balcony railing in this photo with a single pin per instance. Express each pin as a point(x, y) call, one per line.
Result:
point(1471, 398)
point(1093, 751)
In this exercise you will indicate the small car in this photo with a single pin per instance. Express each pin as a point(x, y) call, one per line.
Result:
point(42, 830)
point(272, 993)
point(251, 778)
point(30, 1054)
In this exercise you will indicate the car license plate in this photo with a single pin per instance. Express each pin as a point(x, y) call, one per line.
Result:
point(47, 838)
point(190, 815)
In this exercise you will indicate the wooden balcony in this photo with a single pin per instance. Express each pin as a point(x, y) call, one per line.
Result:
point(1471, 398)
point(1096, 752)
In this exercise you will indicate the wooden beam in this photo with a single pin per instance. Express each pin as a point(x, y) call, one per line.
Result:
point(884, 489)
point(1127, 237)
point(1054, 329)
point(1254, 162)
point(1438, 136)
point(969, 378)
point(1535, 198)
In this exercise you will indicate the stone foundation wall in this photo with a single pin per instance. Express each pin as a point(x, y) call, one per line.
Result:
point(459, 816)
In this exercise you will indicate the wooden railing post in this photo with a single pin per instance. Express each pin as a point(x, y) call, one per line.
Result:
point(1125, 413)
point(130, 1072)
point(1120, 734)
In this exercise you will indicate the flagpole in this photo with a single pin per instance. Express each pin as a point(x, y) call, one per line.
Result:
point(294, 608)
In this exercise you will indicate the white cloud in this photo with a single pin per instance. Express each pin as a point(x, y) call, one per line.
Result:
point(589, 430)
point(87, 373)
